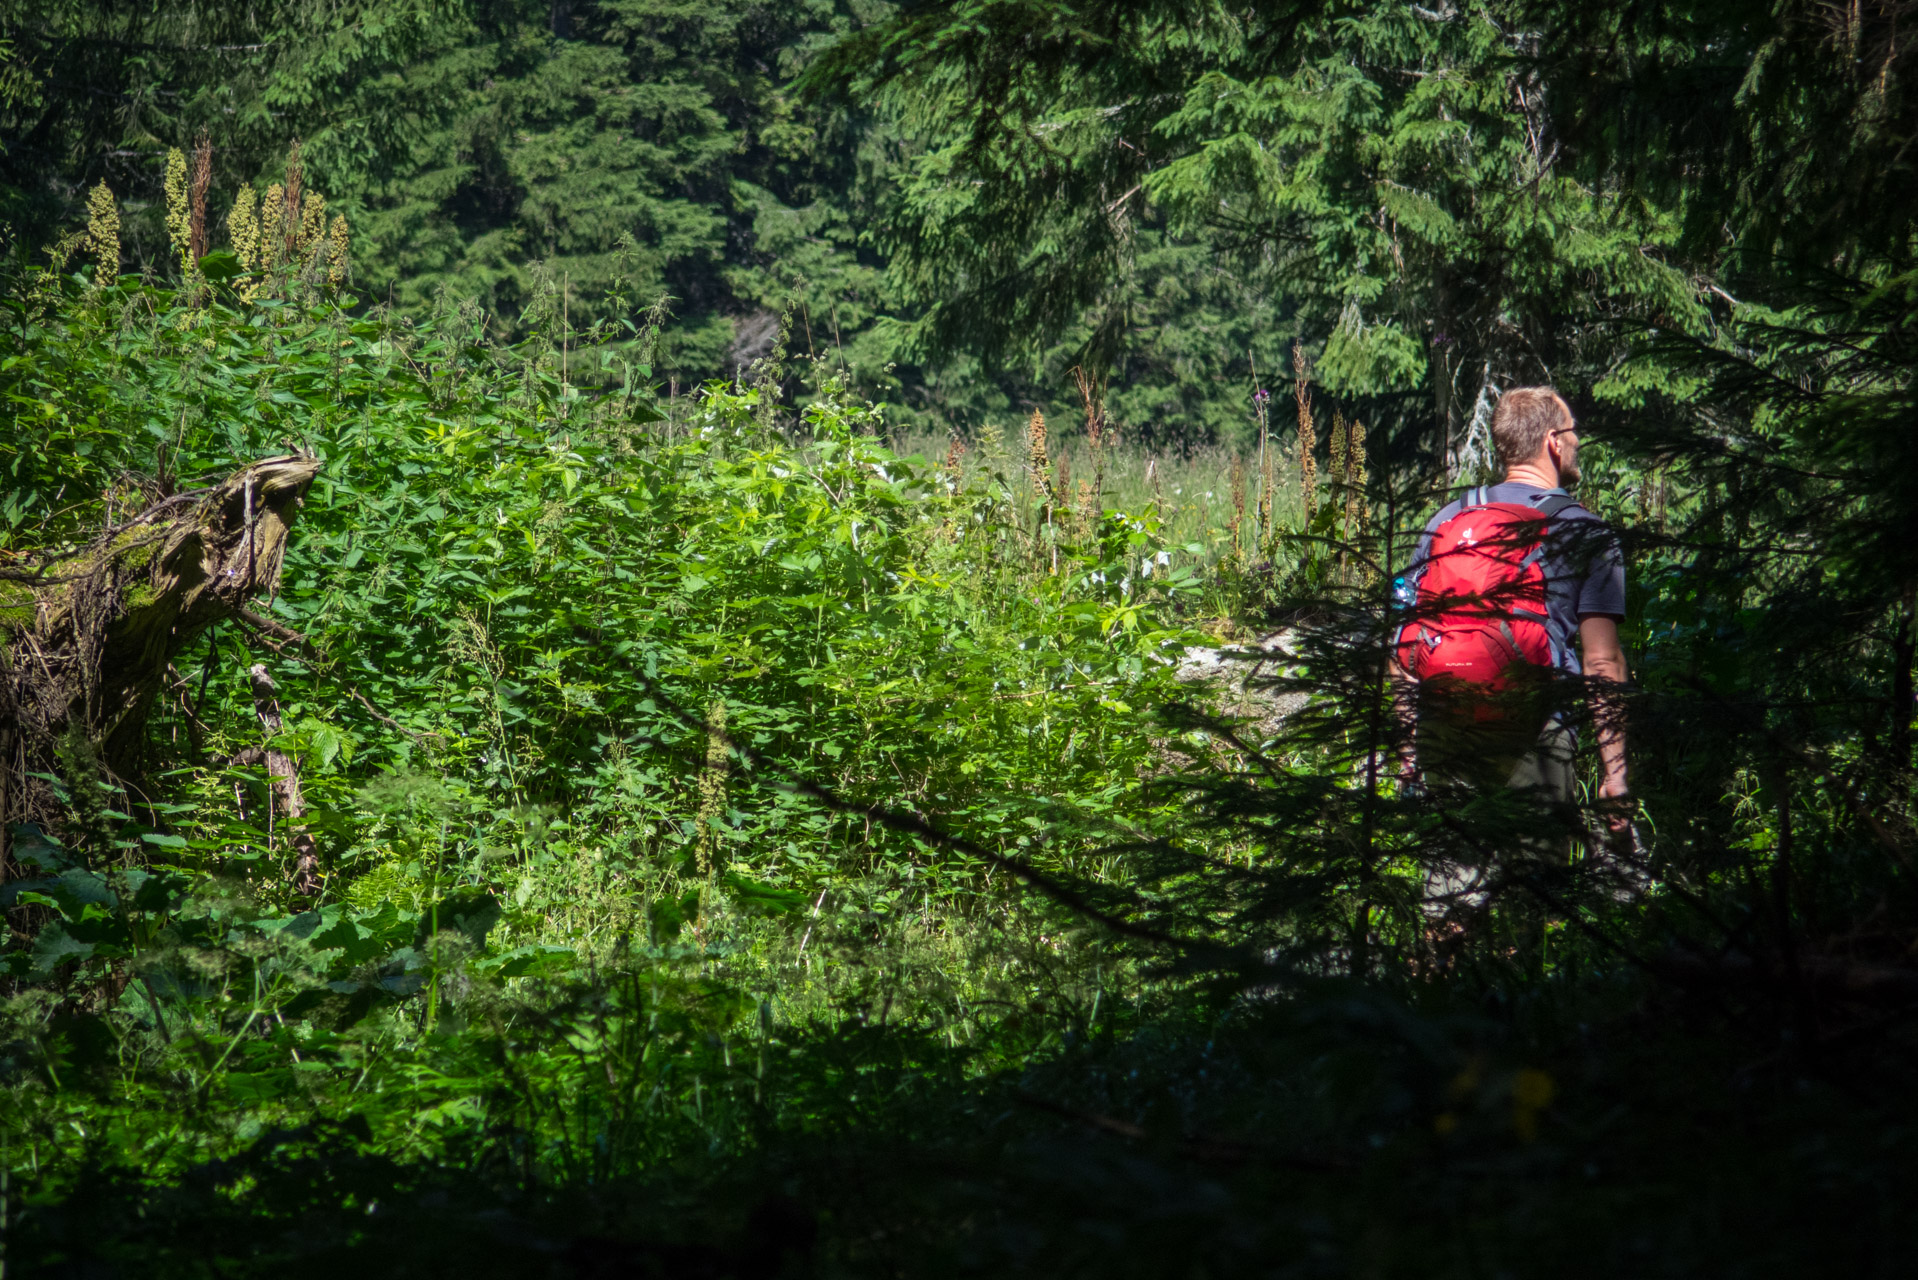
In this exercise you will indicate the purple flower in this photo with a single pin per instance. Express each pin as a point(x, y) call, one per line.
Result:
point(1261, 396)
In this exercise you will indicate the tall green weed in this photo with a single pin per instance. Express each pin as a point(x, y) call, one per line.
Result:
point(557, 660)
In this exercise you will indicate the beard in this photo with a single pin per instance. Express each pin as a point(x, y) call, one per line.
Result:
point(1568, 473)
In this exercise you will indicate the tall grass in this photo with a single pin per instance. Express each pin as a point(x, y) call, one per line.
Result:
point(1199, 495)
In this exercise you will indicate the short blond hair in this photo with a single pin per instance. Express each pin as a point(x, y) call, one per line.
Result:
point(1524, 417)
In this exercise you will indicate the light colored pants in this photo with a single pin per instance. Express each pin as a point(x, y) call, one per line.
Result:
point(1461, 759)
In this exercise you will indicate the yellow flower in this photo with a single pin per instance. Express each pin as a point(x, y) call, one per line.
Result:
point(103, 232)
point(312, 223)
point(243, 227)
point(179, 213)
point(337, 253)
point(272, 226)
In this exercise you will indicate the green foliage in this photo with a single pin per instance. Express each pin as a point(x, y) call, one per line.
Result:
point(1376, 180)
point(474, 147)
point(636, 149)
point(565, 664)
point(673, 760)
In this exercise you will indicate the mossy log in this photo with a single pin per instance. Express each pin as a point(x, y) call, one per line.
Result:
point(87, 635)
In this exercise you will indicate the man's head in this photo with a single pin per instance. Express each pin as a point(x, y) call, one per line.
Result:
point(1534, 425)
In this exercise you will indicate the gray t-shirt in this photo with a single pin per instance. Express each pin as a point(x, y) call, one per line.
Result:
point(1584, 568)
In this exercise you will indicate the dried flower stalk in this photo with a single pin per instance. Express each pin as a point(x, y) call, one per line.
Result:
point(1355, 481)
point(198, 181)
point(712, 787)
point(1238, 503)
point(1036, 459)
point(1308, 436)
point(290, 215)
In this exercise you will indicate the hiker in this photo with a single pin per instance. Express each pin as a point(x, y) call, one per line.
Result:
point(1512, 588)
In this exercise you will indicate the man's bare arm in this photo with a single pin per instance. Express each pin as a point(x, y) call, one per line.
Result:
point(1604, 661)
point(1405, 711)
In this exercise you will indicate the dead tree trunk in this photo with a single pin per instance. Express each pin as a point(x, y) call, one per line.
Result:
point(285, 803)
point(87, 636)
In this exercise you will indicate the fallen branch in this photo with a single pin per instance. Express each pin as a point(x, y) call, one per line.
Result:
point(283, 794)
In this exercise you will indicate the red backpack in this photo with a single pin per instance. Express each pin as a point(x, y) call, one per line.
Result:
point(1481, 599)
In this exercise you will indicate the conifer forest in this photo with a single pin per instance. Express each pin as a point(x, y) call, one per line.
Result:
point(754, 638)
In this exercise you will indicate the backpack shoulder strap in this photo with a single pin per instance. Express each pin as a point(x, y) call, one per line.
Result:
point(1549, 508)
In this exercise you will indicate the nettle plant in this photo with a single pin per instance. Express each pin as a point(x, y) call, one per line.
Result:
point(564, 672)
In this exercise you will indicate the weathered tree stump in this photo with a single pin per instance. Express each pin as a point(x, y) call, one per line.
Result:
point(87, 636)
point(285, 801)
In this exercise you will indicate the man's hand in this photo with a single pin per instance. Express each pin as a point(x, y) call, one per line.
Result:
point(1616, 807)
